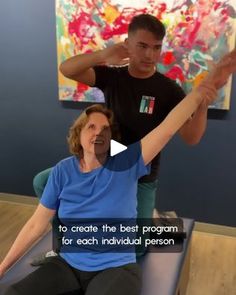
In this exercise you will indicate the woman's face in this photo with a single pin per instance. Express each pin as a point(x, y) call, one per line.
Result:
point(95, 136)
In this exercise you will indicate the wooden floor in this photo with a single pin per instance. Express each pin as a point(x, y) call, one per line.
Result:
point(213, 265)
point(13, 215)
point(213, 257)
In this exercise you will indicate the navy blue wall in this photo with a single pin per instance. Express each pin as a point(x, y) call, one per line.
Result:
point(197, 182)
point(33, 122)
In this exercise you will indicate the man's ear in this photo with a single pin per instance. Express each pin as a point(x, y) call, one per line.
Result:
point(126, 41)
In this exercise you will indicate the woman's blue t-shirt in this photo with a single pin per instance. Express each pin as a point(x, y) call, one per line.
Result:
point(105, 192)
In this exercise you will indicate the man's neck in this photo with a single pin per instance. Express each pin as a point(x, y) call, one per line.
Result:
point(140, 75)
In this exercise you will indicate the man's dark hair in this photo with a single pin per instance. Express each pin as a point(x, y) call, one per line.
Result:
point(149, 23)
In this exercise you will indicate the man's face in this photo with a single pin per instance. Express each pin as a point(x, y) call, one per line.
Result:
point(144, 52)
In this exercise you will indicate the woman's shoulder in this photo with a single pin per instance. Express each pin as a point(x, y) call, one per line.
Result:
point(66, 162)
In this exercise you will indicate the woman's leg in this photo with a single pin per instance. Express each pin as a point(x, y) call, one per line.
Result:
point(53, 278)
point(124, 280)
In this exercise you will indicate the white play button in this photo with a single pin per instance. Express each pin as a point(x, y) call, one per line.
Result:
point(116, 148)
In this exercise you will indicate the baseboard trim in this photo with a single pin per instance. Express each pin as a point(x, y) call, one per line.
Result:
point(13, 198)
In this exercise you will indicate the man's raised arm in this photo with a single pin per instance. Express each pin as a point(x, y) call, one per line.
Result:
point(80, 67)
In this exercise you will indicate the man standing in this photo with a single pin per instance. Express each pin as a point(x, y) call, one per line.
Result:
point(137, 93)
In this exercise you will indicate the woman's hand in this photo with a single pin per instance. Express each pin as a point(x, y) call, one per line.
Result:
point(208, 93)
point(220, 73)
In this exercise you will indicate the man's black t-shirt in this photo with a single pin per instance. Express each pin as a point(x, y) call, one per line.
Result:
point(139, 105)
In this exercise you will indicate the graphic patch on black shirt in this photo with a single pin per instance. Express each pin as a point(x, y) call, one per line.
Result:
point(147, 104)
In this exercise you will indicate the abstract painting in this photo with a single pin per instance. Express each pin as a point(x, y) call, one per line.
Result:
point(198, 33)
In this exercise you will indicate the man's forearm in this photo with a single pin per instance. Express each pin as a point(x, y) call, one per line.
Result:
point(80, 67)
point(77, 65)
point(194, 129)
point(155, 140)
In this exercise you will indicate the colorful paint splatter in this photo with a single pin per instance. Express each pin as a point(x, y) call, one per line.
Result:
point(198, 33)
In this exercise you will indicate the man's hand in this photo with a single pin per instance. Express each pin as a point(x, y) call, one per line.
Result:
point(222, 70)
point(116, 54)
